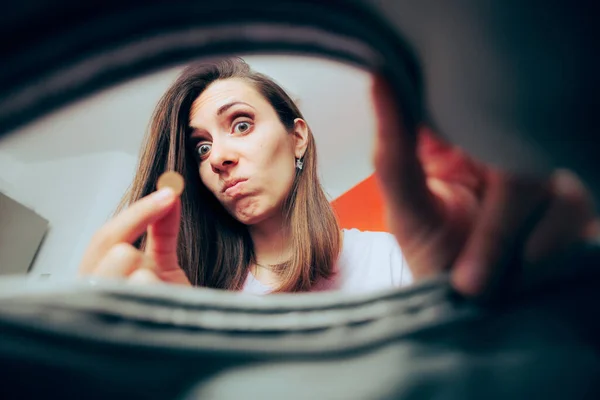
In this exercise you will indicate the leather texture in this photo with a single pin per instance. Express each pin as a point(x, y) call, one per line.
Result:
point(106, 339)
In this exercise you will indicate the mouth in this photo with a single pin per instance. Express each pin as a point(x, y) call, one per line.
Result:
point(232, 187)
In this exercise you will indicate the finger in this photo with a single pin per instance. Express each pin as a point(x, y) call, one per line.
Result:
point(120, 262)
point(511, 208)
point(566, 221)
point(127, 226)
point(143, 276)
point(411, 206)
point(161, 243)
point(592, 230)
point(442, 161)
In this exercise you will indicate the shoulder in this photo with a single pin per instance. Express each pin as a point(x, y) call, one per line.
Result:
point(357, 238)
point(376, 255)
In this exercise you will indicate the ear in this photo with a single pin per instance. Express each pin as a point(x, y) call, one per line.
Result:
point(300, 133)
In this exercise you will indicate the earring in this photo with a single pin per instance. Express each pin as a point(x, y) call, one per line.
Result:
point(299, 164)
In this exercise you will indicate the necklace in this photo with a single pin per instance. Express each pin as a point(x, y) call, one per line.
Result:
point(267, 267)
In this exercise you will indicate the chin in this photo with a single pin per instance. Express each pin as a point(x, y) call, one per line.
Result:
point(249, 219)
point(253, 210)
point(249, 213)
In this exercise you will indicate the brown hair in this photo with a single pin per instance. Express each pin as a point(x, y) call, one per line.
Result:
point(214, 249)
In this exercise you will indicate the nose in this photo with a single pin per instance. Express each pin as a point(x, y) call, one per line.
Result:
point(222, 157)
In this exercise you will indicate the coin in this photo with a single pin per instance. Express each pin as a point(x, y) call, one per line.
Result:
point(173, 180)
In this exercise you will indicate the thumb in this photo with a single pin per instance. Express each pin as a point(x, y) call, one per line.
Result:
point(161, 244)
point(412, 208)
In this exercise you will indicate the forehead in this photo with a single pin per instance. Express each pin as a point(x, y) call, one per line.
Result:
point(223, 92)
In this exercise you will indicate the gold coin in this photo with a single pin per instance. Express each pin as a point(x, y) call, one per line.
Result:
point(171, 179)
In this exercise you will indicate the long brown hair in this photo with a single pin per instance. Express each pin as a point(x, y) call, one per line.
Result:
point(214, 249)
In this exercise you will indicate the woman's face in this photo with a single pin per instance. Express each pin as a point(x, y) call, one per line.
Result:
point(246, 156)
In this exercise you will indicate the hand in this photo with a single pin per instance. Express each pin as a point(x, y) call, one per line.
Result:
point(449, 212)
point(112, 255)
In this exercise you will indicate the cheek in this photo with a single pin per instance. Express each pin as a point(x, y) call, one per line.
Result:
point(281, 172)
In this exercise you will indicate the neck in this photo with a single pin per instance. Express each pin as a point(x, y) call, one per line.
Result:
point(271, 240)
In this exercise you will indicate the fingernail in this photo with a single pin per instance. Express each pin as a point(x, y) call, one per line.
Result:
point(566, 182)
point(468, 279)
point(164, 196)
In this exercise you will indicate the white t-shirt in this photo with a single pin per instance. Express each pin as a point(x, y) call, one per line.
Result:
point(368, 261)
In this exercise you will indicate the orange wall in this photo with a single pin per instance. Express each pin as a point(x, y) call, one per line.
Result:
point(361, 207)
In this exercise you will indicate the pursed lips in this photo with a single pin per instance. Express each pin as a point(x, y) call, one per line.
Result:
point(231, 186)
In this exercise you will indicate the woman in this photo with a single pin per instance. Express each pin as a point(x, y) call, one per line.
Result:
point(253, 216)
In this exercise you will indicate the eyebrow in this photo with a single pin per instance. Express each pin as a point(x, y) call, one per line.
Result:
point(194, 131)
point(227, 106)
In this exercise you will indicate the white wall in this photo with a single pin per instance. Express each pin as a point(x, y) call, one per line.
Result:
point(73, 166)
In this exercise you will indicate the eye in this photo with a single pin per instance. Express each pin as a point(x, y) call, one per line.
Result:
point(203, 150)
point(241, 127)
